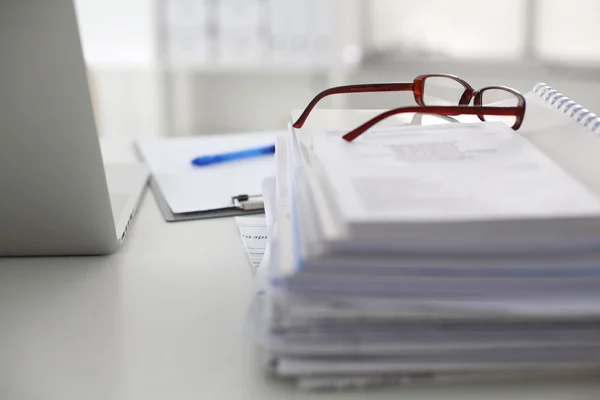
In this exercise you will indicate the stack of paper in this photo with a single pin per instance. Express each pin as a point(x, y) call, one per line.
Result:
point(443, 252)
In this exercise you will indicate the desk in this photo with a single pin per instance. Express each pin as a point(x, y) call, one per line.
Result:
point(162, 319)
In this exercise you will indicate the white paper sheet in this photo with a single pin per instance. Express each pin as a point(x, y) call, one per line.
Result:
point(451, 172)
point(270, 200)
point(253, 231)
point(353, 381)
point(187, 188)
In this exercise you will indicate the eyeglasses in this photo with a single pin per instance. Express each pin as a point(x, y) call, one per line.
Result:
point(428, 89)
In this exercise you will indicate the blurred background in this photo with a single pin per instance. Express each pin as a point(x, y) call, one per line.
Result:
point(193, 67)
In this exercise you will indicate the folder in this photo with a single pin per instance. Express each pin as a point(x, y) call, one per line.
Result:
point(186, 192)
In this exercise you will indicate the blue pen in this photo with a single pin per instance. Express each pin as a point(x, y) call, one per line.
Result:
point(232, 156)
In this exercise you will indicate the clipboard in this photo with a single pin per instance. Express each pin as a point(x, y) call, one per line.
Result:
point(184, 192)
point(256, 207)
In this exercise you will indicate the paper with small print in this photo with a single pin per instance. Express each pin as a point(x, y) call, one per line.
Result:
point(253, 231)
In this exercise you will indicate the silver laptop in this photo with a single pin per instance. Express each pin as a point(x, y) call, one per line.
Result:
point(56, 196)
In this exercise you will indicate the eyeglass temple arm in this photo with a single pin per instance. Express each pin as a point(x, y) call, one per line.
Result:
point(363, 88)
point(442, 110)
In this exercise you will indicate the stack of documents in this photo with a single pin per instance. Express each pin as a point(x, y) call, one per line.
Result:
point(455, 251)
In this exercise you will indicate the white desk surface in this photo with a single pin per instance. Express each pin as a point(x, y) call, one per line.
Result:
point(163, 319)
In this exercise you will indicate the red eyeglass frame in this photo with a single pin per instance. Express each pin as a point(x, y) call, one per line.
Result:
point(417, 87)
point(478, 109)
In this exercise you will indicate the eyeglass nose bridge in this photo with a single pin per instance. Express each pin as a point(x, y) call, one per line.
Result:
point(464, 100)
point(466, 97)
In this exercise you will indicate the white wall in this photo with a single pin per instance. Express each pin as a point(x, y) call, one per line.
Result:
point(119, 44)
point(117, 32)
point(570, 31)
point(567, 31)
point(128, 101)
point(458, 28)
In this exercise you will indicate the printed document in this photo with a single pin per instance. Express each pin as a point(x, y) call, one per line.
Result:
point(448, 172)
point(253, 231)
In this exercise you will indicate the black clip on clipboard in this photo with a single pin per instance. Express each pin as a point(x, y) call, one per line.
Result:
point(242, 204)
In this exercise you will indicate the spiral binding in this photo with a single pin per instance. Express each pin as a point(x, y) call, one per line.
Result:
point(562, 103)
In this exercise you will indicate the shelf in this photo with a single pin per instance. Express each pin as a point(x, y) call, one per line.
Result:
point(121, 66)
point(524, 68)
point(215, 68)
point(210, 69)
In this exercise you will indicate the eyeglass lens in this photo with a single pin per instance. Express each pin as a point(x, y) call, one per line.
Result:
point(442, 91)
point(499, 98)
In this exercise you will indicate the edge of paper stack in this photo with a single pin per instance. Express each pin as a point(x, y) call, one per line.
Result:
point(338, 306)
